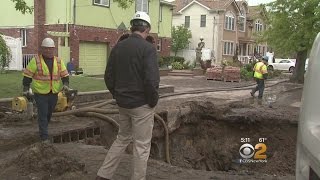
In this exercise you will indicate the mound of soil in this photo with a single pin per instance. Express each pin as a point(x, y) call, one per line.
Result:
point(45, 158)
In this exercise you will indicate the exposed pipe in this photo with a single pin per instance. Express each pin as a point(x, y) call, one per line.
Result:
point(100, 116)
point(86, 109)
point(167, 140)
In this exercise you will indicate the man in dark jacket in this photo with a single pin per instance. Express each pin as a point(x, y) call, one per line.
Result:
point(132, 77)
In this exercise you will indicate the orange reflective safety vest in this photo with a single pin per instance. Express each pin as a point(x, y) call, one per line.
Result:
point(259, 70)
point(43, 82)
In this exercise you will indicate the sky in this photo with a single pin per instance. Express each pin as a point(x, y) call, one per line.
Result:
point(257, 2)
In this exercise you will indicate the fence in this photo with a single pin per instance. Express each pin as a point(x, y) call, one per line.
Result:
point(26, 58)
point(244, 59)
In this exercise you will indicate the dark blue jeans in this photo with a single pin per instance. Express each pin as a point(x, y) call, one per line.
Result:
point(259, 87)
point(45, 105)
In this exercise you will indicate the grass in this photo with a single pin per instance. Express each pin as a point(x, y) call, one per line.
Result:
point(11, 84)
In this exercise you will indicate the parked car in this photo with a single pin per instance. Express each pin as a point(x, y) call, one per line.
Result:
point(283, 65)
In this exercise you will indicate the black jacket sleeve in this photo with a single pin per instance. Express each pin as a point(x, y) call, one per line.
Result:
point(109, 75)
point(65, 80)
point(151, 76)
point(26, 81)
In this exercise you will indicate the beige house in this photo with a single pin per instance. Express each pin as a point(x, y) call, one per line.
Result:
point(227, 27)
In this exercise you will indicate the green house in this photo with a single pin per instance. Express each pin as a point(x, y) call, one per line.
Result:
point(83, 30)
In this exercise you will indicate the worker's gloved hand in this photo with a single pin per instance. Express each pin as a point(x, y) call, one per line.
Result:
point(26, 91)
point(65, 87)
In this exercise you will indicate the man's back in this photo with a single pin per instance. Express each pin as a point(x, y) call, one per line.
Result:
point(132, 73)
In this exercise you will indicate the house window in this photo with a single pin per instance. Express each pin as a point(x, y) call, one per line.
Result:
point(258, 50)
point(229, 22)
point(259, 26)
point(160, 14)
point(228, 48)
point(142, 5)
point(187, 21)
point(203, 21)
point(23, 35)
point(159, 44)
point(242, 23)
point(105, 3)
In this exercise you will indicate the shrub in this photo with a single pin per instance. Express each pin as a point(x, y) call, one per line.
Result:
point(161, 62)
point(245, 74)
point(5, 54)
point(167, 60)
point(249, 67)
point(178, 59)
point(177, 66)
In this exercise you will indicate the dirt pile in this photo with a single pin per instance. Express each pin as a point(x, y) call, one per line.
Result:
point(46, 159)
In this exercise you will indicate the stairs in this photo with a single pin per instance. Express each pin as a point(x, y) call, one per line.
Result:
point(187, 73)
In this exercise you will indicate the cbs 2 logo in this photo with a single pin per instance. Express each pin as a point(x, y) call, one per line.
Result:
point(247, 151)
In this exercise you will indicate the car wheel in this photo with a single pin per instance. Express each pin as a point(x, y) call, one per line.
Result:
point(270, 68)
point(291, 69)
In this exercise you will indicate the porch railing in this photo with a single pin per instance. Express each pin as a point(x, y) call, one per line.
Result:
point(26, 58)
point(244, 59)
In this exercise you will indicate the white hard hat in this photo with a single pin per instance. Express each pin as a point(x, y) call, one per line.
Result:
point(47, 42)
point(140, 15)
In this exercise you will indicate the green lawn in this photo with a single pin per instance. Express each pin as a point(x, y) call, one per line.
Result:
point(11, 84)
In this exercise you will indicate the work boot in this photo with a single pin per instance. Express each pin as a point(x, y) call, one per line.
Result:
point(47, 141)
point(101, 178)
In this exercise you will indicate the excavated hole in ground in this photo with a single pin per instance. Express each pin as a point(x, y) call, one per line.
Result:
point(213, 145)
point(211, 141)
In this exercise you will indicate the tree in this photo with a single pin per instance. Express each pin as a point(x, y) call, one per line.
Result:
point(180, 38)
point(5, 54)
point(124, 3)
point(292, 27)
point(22, 6)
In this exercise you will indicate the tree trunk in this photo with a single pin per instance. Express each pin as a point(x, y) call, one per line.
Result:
point(299, 70)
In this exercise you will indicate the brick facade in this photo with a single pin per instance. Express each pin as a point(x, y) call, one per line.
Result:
point(165, 47)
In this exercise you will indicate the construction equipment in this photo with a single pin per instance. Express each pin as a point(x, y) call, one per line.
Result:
point(24, 104)
point(65, 100)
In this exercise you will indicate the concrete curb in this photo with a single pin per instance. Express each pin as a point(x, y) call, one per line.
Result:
point(84, 97)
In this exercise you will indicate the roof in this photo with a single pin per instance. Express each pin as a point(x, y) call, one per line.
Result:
point(254, 11)
point(210, 4)
point(167, 3)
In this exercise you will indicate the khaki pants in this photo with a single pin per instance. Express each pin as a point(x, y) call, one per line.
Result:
point(137, 125)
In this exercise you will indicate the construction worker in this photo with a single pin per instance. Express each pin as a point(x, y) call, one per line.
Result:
point(132, 77)
point(44, 73)
point(260, 74)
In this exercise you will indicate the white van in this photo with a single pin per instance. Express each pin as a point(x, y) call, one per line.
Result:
point(308, 144)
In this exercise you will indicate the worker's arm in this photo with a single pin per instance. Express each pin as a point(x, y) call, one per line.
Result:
point(28, 73)
point(264, 72)
point(109, 74)
point(65, 80)
point(151, 76)
point(64, 74)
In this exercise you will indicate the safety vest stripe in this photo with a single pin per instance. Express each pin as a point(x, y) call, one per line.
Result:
point(64, 73)
point(39, 65)
point(27, 72)
point(42, 78)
